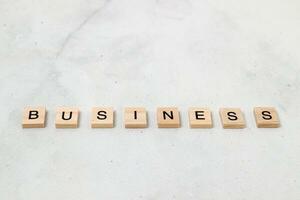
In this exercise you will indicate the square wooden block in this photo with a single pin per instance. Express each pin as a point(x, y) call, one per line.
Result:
point(266, 117)
point(168, 117)
point(200, 118)
point(135, 117)
point(102, 117)
point(67, 117)
point(232, 118)
point(34, 117)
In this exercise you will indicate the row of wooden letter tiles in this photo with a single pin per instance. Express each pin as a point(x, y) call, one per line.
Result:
point(136, 117)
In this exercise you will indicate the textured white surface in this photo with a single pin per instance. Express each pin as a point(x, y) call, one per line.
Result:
point(149, 53)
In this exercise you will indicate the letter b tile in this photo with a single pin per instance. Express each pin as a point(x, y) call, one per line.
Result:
point(34, 117)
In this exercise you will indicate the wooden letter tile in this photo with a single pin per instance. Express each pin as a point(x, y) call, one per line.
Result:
point(135, 118)
point(168, 117)
point(34, 117)
point(266, 117)
point(102, 117)
point(200, 118)
point(67, 117)
point(232, 118)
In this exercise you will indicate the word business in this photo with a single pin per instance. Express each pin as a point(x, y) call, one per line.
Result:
point(137, 117)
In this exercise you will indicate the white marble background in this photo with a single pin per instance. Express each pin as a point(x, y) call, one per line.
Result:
point(149, 53)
